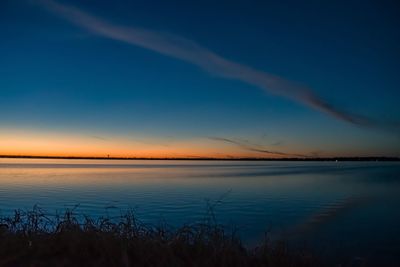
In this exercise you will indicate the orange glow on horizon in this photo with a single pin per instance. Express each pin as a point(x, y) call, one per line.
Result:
point(19, 143)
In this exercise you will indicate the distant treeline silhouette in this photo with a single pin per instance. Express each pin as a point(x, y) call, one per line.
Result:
point(212, 158)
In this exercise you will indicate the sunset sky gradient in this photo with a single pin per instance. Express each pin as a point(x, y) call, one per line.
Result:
point(184, 79)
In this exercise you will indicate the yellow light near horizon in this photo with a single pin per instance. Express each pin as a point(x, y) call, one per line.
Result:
point(74, 145)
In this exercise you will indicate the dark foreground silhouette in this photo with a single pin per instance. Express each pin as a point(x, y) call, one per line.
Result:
point(30, 238)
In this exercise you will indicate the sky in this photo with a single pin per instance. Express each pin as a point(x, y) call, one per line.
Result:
point(199, 78)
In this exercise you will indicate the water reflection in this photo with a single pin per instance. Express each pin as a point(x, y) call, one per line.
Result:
point(352, 205)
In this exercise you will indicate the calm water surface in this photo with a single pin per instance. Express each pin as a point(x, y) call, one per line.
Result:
point(350, 207)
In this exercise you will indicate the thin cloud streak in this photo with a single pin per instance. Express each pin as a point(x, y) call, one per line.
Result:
point(98, 137)
point(277, 143)
point(186, 50)
point(254, 148)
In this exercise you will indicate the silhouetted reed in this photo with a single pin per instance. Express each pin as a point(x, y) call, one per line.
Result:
point(32, 238)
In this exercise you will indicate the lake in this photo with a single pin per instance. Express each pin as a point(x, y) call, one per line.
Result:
point(337, 208)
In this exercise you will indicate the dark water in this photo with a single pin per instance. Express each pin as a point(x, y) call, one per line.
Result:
point(338, 208)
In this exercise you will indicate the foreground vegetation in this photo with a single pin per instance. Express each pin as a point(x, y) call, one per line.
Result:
point(30, 238)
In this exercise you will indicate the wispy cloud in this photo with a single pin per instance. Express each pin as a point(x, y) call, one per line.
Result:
point(98, 137)
point(186, 50)
point(253, 147)
point(277, 143)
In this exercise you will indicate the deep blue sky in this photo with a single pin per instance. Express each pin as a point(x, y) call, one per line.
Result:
point(58, 78)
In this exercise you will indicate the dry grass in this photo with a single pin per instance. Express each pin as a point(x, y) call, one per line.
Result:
point(30, 238)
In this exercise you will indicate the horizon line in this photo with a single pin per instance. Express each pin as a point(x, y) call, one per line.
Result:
point(337, 158)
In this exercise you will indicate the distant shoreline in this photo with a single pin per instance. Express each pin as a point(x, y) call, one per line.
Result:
point(205, 158)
